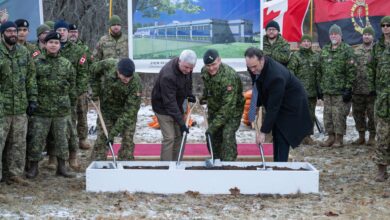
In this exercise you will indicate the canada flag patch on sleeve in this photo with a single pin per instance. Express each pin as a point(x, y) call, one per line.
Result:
point(83, 59)
point(36, 53)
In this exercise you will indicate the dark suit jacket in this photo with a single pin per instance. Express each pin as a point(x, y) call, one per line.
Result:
point(285, 101)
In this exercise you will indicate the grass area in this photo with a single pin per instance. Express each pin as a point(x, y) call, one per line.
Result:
point(165, 49)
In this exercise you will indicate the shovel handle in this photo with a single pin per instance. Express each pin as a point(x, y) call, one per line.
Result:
point(262, 155)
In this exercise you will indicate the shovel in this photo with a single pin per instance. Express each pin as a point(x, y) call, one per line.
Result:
point(184, 139)
point(104, 131)
point(209, 162)
point(262, 158)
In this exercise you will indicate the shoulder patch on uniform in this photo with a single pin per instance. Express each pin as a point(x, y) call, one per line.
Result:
point(36, 53)
point(229, 88)
point(83, 59)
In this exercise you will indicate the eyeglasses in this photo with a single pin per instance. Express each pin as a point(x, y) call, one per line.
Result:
point(385, 25)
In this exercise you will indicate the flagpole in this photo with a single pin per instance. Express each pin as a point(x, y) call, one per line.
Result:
point(261, 23)
point(311, 18)
point(110, 12)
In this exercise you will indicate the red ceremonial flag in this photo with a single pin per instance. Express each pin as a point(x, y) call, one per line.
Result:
point(289, 14)
point(351, 15)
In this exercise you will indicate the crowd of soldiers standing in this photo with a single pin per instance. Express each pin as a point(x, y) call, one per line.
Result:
point(45, 88)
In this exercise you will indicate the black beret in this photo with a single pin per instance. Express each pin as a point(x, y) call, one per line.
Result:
point(273, 24)
point(6, 25)
point(126, 67)
point(72, 27)
point(22, 23)
point(210, 56)
point(52, 35)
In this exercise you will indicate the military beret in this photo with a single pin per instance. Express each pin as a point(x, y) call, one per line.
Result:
point(115, 19)
point(7, 25)
point(210, 56)
point(126, 67)
point(385, 19)
point(22, 23)
point(42, 28)
point(72, 27)
point(335, 29)
point(306, 37)
point(369, 30)
point(50, 24)
point(273, 24)
point(61, 24)
point(52, 35)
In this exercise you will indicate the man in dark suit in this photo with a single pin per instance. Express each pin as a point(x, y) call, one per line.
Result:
point(285, 101)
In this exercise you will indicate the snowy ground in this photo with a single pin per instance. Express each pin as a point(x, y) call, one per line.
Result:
point(347, 189)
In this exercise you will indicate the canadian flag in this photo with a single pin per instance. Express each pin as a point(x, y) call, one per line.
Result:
point(289, 14)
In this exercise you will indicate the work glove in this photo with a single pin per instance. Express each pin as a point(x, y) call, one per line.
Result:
point(32, 106)
point(191, 98)
point(347, 95)
point(184, 128)
point(203, 101)
point(320, 96)
point(372, 93)
point(109, 141)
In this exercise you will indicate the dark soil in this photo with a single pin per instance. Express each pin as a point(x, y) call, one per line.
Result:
point(244, 168)
point(146, 167)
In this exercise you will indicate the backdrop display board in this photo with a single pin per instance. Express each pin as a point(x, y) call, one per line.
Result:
point(159, 30)
point(31, 10)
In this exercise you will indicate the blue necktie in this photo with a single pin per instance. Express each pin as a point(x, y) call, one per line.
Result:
point(252, 106)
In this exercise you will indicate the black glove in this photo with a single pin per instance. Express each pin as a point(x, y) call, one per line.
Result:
point(191, 98)
point(32, 106)
point(109, 141)
point(184, 128)
point(320, 96)
point(347, 95)
point(372, 93)
point(203, 101)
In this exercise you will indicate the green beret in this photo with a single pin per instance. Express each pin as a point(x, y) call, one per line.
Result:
point(385, 19)
point(50, 24)
point(42, 28)
point(115, 19)
point(369, 30)
point(335, 29)
point(306, 37)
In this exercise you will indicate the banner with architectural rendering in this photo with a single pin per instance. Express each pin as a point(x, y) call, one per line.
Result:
point(160, 30)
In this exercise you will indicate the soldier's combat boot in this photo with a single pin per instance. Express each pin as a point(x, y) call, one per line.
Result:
point(328, 141)
point(73, 162)
point(33, 170)
point(371, 139)
point(51, 164)
point(382, 173)
point(339, 141)
point(61, 169)
point(18, 180)
point(308, 141)
point(361, 140)
point(84, 144)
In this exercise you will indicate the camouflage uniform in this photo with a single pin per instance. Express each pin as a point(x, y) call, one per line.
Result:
point(18, 87)
point(111, 47)
point(304, 64)
point(279, 50)
point(225, 103)
point(336, 74)
point(362, 102)
point(30, 47)
point(119, 106)
point(56, 92)
point(379, 81)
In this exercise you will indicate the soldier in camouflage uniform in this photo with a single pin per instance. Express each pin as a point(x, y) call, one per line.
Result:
point(362, 101)
point(274, 45)
point(57, 91)
point(336, 74)
point(50, 24)
point(19, 90)
point(113, 45)
point(120, 98)
point(23, 31)
point(56, 80)
point(42, 31)
point(82, 103)
point(379, 84)
point(304, 64)
point(225, 102)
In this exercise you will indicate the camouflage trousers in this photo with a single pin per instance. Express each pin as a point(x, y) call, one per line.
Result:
point(13, 145)
point(40, 127)
point(82, 123)
point(1, 146)
point(312, 108)
point(224, 140)
point(126, 151)
point(382, 152)
point(335, 114)
point(362, 108)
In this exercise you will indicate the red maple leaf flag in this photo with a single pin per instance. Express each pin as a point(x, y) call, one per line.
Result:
point(289, 14)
